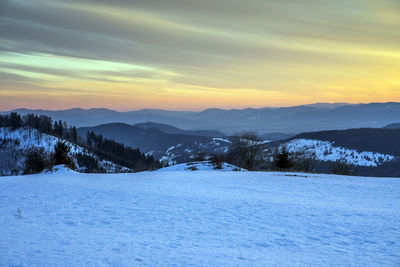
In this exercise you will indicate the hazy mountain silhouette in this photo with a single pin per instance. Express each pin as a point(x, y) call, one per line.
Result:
point(174, 130)
point(392, 126)
point(294, 120)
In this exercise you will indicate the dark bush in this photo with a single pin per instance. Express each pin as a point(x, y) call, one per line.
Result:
point(217, 161)
point(340, 167)
point(303, 164)
point(200, 157)
point(192, 168)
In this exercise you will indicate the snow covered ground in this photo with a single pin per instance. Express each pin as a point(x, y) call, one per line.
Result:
point(199, 218)
point(326, 151)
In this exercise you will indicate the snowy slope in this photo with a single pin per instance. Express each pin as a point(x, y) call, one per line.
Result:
point(326, 151)
point(319, 150)
point(33, 138)
point(188, 151)
point(15, 143)
point(202, 218)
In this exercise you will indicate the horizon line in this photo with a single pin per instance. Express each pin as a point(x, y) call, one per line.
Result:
point(199, 110)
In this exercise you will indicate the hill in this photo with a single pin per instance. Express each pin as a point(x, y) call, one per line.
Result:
point(31, 129)
point(198, 218)
point(377, 140)
point(16, 143)
point(358, 147)
point(142, 136)
point(174, 130)
point(330, 151)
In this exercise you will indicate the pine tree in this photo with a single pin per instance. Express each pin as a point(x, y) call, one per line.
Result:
point(282, 159)
point(15, 120)
point(61, 155)
point(74, 134)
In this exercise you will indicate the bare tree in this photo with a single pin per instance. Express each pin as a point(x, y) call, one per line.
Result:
point(247, 148)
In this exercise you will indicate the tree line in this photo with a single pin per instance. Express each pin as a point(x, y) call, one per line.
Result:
point(42, 123)
point(118, 153)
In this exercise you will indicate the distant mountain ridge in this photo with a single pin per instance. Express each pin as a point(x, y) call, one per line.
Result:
point(143, 136)
point(392, 126)
point(174, 130)
point(292, 120)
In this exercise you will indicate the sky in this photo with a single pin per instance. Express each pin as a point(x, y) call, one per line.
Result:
point(192, 55)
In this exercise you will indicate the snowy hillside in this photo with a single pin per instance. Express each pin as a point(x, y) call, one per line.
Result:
point(14, 145)
point(189, 150)
point(316, 149)
point(326, 151)
point(28, 137)
point(201, 218)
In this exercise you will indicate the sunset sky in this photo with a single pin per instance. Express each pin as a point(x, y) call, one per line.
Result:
point(192, 55)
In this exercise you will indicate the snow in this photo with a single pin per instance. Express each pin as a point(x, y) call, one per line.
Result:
point(201, 218)
point(218, 139)
point(326, 151)
point(201, 166)
point(170, 148)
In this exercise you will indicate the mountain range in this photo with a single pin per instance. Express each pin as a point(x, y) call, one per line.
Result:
point(287, 120)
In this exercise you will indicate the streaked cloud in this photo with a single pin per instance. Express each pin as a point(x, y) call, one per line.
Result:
point(181, 54)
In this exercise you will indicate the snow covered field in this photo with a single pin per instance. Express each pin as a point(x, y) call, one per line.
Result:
point(199, 218)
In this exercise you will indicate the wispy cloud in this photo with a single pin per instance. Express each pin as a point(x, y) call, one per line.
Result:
point(179, 48)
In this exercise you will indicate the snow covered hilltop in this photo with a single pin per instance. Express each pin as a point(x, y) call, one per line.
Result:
point(198, 218)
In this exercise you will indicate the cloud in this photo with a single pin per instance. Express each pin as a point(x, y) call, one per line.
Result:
point(267, 45)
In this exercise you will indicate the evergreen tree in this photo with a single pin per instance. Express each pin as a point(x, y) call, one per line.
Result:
point(282, 159)
point(55, 127)
point(61, 155)
point(60, 128)
point(15, 120)
point(74, 134)
point(88, 139)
